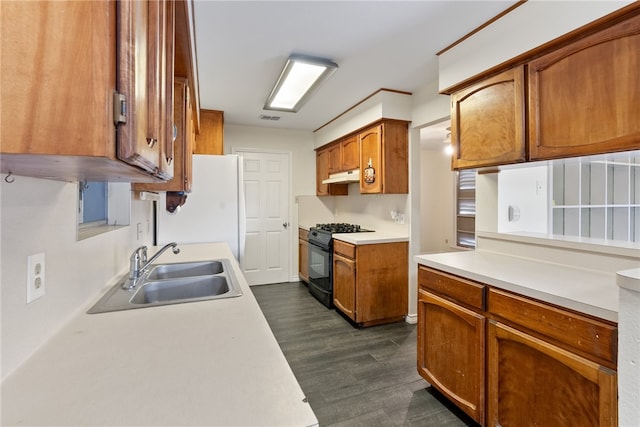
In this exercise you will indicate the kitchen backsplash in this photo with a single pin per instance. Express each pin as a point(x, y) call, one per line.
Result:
point(369, 211)
point(39, 216)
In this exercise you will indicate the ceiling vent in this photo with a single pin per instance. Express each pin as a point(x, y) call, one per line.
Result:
point(266, 117)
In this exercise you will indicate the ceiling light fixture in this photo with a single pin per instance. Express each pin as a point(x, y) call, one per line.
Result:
point(448, 148)
point(301, 76)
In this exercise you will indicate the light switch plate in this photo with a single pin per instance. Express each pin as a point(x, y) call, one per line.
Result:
point(35, 277)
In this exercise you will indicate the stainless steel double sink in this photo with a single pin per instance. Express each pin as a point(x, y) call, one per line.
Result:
point(174, 283)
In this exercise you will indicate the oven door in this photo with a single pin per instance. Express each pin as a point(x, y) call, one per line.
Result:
point(321, 274)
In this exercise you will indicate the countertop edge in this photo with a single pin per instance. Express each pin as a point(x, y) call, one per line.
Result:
point(369, 238)
point(466, 269)
point(128, 371)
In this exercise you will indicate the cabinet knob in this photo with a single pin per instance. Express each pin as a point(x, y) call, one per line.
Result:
point(151, 142)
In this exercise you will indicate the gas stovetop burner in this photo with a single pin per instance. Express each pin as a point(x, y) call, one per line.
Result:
point(341, 228)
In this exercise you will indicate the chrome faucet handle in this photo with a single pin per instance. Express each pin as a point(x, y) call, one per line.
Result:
point(143, 254)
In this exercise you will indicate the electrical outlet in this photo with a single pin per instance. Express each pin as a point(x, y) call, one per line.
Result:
point(35, 277)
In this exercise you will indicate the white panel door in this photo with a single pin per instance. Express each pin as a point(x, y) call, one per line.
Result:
point(266, 189)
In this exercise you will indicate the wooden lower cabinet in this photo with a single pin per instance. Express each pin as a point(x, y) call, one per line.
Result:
point(344, 288)
point(508, 360)
point(451, 351)
point(303, 254)
point(370, 281)
point(534, 383)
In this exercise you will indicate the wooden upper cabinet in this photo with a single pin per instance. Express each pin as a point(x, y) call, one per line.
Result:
point(371, 160)
point(58, 105)
point(184, 142)
point(384, 154)
point(335, 157)
point(140, 79)
point(488, 122)
point(210, 139)
point(350, 153)
point(344, 155)
point(322, 173)
point(583, 98)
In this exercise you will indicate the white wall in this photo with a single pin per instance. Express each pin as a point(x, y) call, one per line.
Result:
point(437, 202)
point(39, 215)
point(303, 166)
point(373, 211)
point(528, 26)
point(524, 190)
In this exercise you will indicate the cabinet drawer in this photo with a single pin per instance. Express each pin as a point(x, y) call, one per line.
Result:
point(303, 234)
point(345, 249)
point(458, 289)
point(591, 338)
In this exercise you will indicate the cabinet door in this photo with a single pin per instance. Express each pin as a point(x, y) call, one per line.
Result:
point(165, 99)
point(344, 285)
point(487, 122)
point(303, 260)
point(322, 172)
point(58, 77)
point(303, 254)
point(567, 389)
point(371, 175)
point(183, 156)
point(138, 50)
point(583, 98)
point(350, 153)
point(335, 158)
point(451, 352)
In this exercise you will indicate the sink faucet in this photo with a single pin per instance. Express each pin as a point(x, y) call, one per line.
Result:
point(138, 262)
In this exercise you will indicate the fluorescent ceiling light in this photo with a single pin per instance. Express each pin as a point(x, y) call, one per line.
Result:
point(301, 76)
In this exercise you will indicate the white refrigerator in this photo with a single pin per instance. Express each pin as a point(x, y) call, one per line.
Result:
point(214, 210)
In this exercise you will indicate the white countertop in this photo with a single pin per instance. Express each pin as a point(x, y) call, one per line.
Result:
point(591, 292)
point(213, 363)
point(370, 238)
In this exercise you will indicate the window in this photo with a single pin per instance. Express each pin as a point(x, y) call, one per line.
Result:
point(102, 207)
point(466, 208)
point(93, 203)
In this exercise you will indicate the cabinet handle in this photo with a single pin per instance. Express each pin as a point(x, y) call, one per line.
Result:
point(151, 142)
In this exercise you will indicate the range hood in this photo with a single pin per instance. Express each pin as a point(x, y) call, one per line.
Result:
point(343, 177)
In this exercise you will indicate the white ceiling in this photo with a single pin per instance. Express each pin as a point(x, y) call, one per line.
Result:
point(243, 45)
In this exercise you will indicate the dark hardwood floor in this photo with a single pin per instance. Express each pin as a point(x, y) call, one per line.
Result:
point(352, 376)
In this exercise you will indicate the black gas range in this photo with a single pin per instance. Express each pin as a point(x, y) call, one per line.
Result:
point(321, 258)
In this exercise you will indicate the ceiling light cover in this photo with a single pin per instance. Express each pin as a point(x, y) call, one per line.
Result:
point(301, 76)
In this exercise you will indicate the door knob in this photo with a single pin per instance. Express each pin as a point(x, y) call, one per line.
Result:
point(285, 225)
